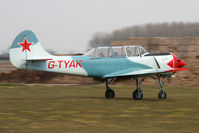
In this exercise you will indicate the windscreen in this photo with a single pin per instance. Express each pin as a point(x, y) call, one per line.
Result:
point(93, 53)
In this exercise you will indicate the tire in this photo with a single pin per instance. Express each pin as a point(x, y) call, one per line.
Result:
point(162, 95)
point(137, 94)
point(109, 94)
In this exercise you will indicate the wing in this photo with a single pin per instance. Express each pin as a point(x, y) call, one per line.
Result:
point(133, 72)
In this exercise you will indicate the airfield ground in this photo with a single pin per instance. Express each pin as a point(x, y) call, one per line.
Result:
point(83, 109)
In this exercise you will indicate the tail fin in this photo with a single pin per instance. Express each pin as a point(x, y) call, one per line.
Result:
point(26, 47)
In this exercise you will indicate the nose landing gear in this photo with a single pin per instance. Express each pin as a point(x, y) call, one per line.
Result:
point(162, 94)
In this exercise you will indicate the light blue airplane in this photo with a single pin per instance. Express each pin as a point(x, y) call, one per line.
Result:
point(107, 63)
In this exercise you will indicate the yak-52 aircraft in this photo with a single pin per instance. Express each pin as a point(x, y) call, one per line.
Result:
point(107, 63)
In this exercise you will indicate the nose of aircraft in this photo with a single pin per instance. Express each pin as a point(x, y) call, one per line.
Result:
point(180, 63)
point(176, 63)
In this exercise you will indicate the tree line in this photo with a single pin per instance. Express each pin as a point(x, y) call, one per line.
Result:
point(174, 29)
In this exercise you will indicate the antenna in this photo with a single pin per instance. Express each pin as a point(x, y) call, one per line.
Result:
point(26, 56)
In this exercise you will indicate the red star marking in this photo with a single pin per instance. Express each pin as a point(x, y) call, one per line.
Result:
point(25, 45)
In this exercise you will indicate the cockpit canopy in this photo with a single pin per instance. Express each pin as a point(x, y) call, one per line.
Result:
point(116, 51)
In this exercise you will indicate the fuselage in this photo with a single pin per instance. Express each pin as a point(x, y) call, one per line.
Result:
point(99, 67)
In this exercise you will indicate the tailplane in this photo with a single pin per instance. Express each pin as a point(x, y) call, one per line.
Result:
point(26, 47)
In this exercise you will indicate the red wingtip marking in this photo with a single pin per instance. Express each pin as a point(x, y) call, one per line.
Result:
point(177, 69)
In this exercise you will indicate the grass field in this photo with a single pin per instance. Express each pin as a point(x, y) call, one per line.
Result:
point(83, 109)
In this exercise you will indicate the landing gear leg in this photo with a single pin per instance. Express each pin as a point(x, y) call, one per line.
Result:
point(109, 92)
point(162, 94)
point(137, 94)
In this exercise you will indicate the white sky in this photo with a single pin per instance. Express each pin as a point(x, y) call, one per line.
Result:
point(67, 25)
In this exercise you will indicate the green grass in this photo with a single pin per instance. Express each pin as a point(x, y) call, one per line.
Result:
point(83, 109)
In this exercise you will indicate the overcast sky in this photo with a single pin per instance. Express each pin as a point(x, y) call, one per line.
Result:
point(67, 25)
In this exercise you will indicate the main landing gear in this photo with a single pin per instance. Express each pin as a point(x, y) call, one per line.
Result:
point(137, 94)
point(109, 92)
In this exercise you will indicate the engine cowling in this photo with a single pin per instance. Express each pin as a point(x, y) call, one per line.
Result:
point(176, 62)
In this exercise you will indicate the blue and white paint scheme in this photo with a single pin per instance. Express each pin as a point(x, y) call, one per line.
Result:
point(108, 63)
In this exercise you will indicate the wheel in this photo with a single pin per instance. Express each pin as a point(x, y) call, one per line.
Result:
point(109, 93)
point(162, 95)
point(137, 94)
